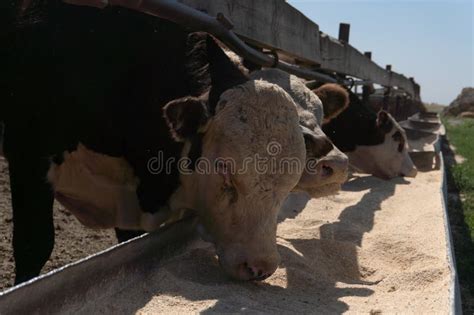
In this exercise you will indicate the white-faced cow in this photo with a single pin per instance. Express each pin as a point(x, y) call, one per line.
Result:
point(326, 166)
point(95, 96)
point(374, 142)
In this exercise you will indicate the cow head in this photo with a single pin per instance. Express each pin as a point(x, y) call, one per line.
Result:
point(238, 137)
point(390, 157)
point(326, 167)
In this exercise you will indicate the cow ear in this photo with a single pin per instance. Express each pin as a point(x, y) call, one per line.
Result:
point(186, 117)
point(224, 73)
point(335, 100)
point(317, 144)
point(384, 122)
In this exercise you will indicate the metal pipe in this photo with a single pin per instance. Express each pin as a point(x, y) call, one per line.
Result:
point(182, 14)
point(313, 84)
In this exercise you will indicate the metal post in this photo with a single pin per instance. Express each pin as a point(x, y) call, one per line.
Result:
point(344, 30)
point(386, 97)
point(367, 89)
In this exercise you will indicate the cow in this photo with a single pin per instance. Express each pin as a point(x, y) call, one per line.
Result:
point(96, 99)
point(326, 167)
point(374, 142)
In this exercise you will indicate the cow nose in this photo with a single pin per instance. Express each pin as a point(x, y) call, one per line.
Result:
point(333, 166)
point(326, 170)
point(257, 272)
point(411, 173)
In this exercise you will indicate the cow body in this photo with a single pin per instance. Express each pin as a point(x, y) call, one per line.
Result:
point(71, 83)
point(94, 96)
point(374, 142)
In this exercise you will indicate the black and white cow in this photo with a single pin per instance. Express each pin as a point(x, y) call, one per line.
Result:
point(374, 142)
point(94, 96)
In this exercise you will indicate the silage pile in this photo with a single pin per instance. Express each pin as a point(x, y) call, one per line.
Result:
point(463, 105)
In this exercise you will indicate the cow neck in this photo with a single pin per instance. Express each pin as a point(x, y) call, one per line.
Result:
point(357, 125)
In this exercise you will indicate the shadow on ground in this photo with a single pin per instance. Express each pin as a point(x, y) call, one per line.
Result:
point(313, 271)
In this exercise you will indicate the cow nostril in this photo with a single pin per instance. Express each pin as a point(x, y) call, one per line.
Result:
point(249, 270)
point(326, 171)
point(255, 273)
point(261, 276)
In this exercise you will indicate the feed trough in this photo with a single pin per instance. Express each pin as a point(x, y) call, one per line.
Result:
point(428, 115)
point(434, 128)
point(421, 141)
point(375, 247)
point(423, 121)
point(423, 132)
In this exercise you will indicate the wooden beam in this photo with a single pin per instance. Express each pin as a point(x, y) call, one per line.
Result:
point(272, 24)
point(343, 58)
point(276, 25)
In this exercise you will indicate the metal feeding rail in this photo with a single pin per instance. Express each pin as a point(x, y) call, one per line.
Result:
point(220, 27)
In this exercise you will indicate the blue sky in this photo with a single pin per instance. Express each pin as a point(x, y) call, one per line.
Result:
point(429, 40)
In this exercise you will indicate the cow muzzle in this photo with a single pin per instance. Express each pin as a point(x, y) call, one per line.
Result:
point(410, 173)
point(408, 167)
point(246, 267)
point(332, 169)
point(256, 271)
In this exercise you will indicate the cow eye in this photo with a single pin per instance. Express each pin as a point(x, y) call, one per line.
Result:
point(231, 193)
point(228, 189)
point(398, 137)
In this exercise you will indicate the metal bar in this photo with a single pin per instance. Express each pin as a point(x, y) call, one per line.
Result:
point(454, 290)
point(313, 84)
point(97, 275)
point(194, 19)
